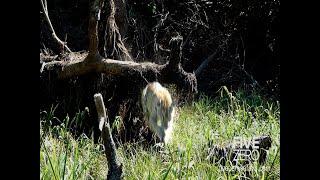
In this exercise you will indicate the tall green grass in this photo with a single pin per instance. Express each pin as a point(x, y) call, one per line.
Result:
point(217, 120)
point(63, 156)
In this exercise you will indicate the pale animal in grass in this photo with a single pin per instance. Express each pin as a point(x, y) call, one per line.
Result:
point(158, 109)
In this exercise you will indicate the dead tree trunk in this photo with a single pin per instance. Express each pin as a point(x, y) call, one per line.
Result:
point(95, 11)
point(114, 164)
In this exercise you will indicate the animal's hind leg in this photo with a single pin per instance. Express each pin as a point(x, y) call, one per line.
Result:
point(157, 129)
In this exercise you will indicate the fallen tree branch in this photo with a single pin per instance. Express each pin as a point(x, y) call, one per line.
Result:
point(171, 72)
point(68, 69)
point(114, 164)
point(53, 33)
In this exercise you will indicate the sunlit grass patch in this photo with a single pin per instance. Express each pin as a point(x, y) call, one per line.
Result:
point(206, 120)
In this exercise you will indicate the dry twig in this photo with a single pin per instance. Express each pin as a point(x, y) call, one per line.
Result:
point(53, 33)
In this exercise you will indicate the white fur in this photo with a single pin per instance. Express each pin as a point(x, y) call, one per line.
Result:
point(158, 110)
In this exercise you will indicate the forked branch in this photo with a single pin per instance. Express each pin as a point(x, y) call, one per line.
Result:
point(62, 44)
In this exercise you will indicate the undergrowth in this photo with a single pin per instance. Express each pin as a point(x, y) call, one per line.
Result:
point(218, 120)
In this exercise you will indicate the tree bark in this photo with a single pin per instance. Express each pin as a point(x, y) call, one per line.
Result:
point(114, 46)
point(172, 72)
point(95, 11)
point(114, 164)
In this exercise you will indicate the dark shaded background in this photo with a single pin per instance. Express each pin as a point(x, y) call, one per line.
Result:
point(245, 34)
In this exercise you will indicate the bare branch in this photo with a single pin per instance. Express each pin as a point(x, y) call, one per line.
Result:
point(108, 66)
point(176, 51)
point(53, 33)
point(114, 45)
point(205, 63)
point(160, 23)
point(114, 164)
point(164, 73)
